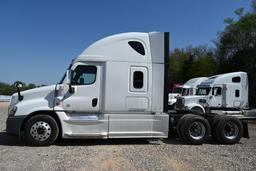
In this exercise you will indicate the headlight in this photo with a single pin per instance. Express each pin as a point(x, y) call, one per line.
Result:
point(12, 110)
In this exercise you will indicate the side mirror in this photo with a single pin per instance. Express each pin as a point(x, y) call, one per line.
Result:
point(69, 77)
point(19, 85)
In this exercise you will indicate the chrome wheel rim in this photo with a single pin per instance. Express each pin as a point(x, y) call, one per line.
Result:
point(197, 130)
point(231, 130)
point(40, 131)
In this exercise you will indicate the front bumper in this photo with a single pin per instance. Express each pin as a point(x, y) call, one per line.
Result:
point(13, 124)
point(171, 101)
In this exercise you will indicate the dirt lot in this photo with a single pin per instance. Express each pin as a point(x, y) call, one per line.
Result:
point(125, 154)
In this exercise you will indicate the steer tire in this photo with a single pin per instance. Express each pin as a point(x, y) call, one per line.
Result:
point(180, 125)
point(196, 130)
point(41, 130)
point(229, 130)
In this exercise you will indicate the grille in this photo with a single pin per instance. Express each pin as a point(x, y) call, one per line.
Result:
point(180, 102)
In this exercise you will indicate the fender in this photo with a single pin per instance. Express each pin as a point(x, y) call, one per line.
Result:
point(190, 106)
point(33, 105)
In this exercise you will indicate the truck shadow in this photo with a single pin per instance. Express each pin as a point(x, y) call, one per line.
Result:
point(7, 140)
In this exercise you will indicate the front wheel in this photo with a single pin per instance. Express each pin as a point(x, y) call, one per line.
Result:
point(41, 130)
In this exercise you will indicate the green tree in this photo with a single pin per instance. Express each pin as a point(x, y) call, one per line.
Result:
point(191, 62)
point(236, 48)
point(7, 89)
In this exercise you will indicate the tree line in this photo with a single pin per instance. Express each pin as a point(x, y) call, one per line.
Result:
point(9, 89)
point(235, 50)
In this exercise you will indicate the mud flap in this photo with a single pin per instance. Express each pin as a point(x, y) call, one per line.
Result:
point(246, 131)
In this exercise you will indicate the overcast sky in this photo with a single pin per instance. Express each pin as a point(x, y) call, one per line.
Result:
point(39, 38)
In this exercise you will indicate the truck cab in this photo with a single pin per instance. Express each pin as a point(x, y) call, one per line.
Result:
point(116, 88)
point(190, 87)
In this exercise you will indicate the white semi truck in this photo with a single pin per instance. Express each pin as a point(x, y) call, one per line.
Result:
point(225, 92)
point(190, 87)
point(116, 88)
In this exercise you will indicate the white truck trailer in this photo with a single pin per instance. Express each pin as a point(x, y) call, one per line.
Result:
point(116, 88)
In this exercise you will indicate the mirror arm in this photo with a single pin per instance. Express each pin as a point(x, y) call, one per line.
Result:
point(18, 85)
point(20, 97)
point(71, 89)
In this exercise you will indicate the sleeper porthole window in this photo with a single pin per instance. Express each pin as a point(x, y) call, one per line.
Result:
point(138, 79)
point(236, 79)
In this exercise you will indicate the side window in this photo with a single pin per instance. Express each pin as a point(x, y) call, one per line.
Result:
point(137, 46)
point(237, 93)
point(236, 79)
point(84, 75)
point(138, 79)
point(217, 91)
point(191, 91)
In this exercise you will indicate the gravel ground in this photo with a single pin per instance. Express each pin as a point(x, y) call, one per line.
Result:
point(125, 154)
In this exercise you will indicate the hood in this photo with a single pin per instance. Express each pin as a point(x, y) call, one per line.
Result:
point(173, 95)
point(193, 99)
point(46, 92)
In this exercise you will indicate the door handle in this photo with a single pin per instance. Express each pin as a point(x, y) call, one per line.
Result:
point(94, 102)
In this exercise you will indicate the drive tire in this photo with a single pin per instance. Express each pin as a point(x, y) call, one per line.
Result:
point(180, 125)
point(41, 130)
point(214, 123)
point(229, 130)
point(196, 130)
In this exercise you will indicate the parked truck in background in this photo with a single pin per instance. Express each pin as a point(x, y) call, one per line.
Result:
point(190, 87)
point(227, 92)
point(176, 91)
point(116, 88)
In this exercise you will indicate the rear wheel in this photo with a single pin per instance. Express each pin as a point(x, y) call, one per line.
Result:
point(196, 130)
point(229, 130)
point(41, 130)
point(180, 125)
point(214, 123)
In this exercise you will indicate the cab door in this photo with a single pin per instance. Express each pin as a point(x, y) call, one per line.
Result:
point(82, 103)
point(215, 99)
point(85, 86)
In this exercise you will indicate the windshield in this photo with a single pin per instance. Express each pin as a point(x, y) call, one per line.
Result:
point(185, 92)
point(177, 90)
point(62, 79)
point(203, 91)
